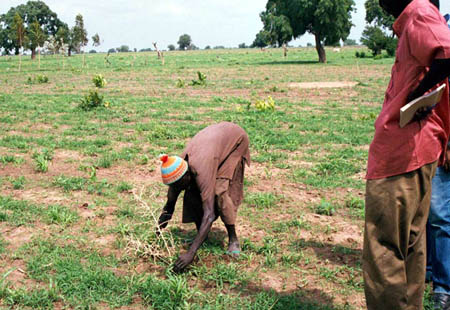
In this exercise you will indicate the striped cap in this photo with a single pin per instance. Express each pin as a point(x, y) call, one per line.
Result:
point(172, 168)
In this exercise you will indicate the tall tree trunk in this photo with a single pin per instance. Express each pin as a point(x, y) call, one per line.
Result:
point(320, 50)
point(33, 53)
point(69, 52)
point(20, 62)
point(39, 58)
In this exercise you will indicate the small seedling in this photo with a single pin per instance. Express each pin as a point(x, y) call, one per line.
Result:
point(325, 208)
point(124, 187)
point(180, 83)
point(18, 183)
point(265, 104)
point(201, 80)
point(99, 81)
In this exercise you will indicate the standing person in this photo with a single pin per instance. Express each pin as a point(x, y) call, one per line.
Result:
point(438, 234)
point(402, 161)
point(211, 171)
point(439, 240)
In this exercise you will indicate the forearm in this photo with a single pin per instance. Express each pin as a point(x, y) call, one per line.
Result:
point(439, 71)
point(169, 207)
point(205, 227)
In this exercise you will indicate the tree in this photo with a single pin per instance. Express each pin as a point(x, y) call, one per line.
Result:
point(36, 38)
point(18, 35)
point(184, 41)
point(277, 27)
point(64, 36)
point(123, 49)
point(350, 42)
point(3, 38)
point(30, 12)
point(242, 45)
point(328, 20)
point(375, 14)
point(171, 47)
point(262, 39)
point(96, 40)
point(378, 34)
point(79, 34)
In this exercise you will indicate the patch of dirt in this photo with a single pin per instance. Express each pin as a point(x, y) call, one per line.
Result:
point(17, 275)
point(17, 236)
point(322, 85)
point(138, 175)
point(40, 195)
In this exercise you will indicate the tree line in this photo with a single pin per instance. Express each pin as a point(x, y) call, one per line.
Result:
point(329, 21)
point(33, 25)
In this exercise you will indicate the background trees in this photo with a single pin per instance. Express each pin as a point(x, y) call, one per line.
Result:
point(39, 24)
point(378, 35)
point(184, 41)
point(32, 12)
point(328, 20)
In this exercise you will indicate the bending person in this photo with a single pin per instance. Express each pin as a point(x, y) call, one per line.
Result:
point(211, 172)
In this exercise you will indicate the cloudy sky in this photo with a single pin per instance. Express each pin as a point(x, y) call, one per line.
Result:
point(138, 23)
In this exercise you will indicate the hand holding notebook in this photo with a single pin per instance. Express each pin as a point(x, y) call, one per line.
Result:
point(427, 101)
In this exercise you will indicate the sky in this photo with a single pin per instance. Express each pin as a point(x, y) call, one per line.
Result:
point(138, 23)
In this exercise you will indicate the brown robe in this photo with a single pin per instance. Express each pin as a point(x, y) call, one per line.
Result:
point(216, 157)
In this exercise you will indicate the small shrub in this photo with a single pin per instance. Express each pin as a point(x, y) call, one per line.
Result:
point(201, 80)
point(99, 81)
point(39, 79)
point(18, 183)
point(41, 159)
point(42, 79)
point(92, 100)
point(11, 159)
point(360, 54)
point(264, 104)
point(41, 163)
point(325, 208)
point(124, 187)
point(57, 214)
point(180, 83)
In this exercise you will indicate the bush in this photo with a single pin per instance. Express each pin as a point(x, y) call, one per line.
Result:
point(324, 208)
point(180, 83)
point(39, 79)
point(360, 54)
point(201, 79)
point(265, 105)
point(99, 81)
point(376, 40)
point(92, 100)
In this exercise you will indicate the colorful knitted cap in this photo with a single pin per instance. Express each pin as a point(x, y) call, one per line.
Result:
point(172, 168)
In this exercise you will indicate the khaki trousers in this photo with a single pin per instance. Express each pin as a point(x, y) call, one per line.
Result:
point(394, 252)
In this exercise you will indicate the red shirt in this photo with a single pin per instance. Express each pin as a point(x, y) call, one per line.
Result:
point(423, 36)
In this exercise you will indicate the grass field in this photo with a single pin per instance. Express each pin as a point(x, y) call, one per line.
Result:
point(79, 188)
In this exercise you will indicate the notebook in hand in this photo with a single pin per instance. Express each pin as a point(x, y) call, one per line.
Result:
point(428, 101)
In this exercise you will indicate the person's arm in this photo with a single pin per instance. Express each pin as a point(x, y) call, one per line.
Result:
point(439, 71)
point(167, 212)
point(207, 220)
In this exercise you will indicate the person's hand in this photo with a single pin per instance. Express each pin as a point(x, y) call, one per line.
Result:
point(446, 165)
point(182, 262)
point(422, 113)
point(164, 218)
